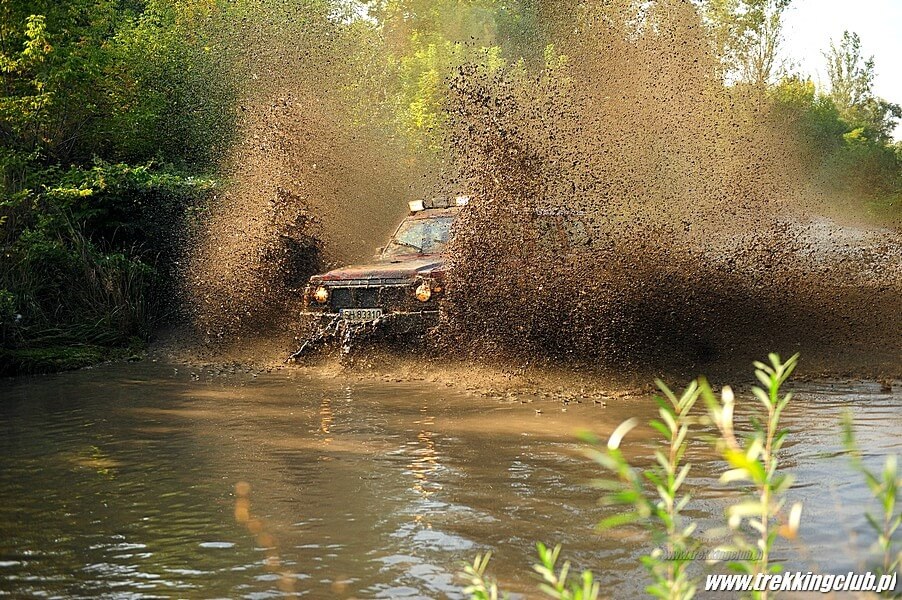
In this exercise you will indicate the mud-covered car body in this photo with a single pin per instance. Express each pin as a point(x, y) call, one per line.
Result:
point(406, 280)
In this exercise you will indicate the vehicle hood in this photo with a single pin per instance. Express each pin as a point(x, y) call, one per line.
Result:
point(395, 268)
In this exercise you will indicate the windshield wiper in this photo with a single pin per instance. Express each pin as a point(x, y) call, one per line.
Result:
point(407, 245)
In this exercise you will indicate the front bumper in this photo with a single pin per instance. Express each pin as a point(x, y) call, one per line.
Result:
point(395, 319)
point(396, 300)
point(328, 327)
point(385, 314)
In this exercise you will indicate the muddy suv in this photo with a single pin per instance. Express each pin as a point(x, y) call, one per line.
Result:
point(404, 283)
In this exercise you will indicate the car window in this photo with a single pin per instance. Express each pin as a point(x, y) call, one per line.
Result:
point(427, 236)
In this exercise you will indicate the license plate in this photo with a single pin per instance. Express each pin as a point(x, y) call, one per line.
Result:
point(358, 315)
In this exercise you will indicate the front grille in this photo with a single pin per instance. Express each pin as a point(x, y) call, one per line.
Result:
point(389, 297)
point(366, 297)
point(342, 297)
point(394, 296)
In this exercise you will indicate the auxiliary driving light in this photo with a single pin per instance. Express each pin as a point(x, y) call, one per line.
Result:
point(321, 294)
point(423, 292)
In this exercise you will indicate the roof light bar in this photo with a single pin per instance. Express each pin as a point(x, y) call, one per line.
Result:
point(416, 205)
point(462, 200)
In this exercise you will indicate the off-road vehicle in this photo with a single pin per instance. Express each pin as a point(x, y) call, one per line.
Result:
point(400, 289)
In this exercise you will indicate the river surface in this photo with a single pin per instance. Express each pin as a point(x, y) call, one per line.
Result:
point(152, 480)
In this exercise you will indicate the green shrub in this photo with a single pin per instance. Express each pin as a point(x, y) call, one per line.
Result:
point(8, 317)
point(754, 460)
point(90, 254)
point(884, 487)
point(661, 512)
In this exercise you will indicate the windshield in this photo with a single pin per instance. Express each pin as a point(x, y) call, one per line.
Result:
point(424, 236)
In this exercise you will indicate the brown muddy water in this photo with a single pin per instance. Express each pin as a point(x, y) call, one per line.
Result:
point(154, 480)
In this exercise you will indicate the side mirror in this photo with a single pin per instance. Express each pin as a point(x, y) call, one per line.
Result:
point(379, 251)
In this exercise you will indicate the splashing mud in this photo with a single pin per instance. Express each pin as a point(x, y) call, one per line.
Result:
point(306, 187)
point(630, 209)
point(627, 207)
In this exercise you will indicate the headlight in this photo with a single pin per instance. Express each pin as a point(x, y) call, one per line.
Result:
point(423, 292)
point(321, 294)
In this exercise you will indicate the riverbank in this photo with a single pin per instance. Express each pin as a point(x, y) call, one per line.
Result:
point(485, 379)
point(56, 359)
point(499, 379)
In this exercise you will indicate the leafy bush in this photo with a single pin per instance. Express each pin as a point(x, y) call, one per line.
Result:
point(91, 225)
point(557, 583)
point(844, 154)
point(90, 254)
point(661, 513)
point(754, 459)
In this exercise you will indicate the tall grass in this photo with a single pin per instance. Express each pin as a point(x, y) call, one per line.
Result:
point(60, 292)
point(73, 291)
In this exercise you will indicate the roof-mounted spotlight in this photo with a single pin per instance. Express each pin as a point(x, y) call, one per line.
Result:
point(416, 205)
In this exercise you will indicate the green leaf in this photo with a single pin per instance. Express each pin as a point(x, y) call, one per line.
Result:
point(873, 522)
point(764, 378)
point(668, 418)
point(681, 476)
point(746, 509)
point(661, 428)
point(762, 396)
point(666, 391)
point(618, 520)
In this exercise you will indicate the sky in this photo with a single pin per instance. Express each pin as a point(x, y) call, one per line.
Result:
point(809, 25)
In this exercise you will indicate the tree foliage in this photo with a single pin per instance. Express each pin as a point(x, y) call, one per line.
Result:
point(425, 43)
point(96, 99)
point(851, 78)
point(746, 37)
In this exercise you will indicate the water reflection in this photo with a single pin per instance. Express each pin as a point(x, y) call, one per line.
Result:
point(325, 418)
point(265, 540)
point(425, 461)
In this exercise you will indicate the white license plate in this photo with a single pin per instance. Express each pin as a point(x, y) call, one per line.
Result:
point(359, 315)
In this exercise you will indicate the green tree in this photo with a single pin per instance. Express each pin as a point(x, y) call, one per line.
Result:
point(171, 81)
point(55, 57)
point(746, 37)
point(423, 43)
point(25, 101)
point(851, 89)
point(841, 152)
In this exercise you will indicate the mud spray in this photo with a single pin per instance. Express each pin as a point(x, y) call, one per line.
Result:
point(307, 184)
point(627, 209)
